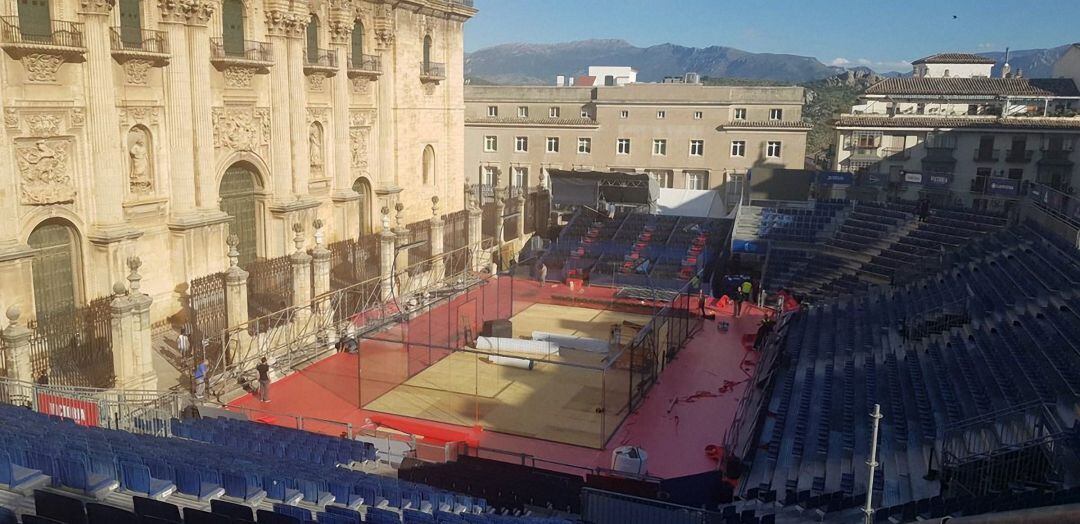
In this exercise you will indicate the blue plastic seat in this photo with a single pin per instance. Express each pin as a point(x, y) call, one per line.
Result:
point(277, 491)
point(192, 482)
point(136, 478)
point(302, 514)
point(350, 515)
point(75, 474)
point(242, 486)
point(17, 478)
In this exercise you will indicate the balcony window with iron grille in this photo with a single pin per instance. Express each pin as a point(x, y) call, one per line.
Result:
point(552, 144)
point(980, 182)
point(491, 143)
point(740, 113)
point(493, 111)
point(661, 114)
point(860, 166)
point(940, 141)
point(553, 112)
point(622, 146)
point(697, 115)
point(697, 180)
point(738, 148)
point(584, 145)
point(521, 177)
point(624, 114)
point(523, 112)
point(867, 139)
point(488, 176)
point(521, 144)
point(772, 149)
point(659, 147)
point(697, 147)
point(776, 114)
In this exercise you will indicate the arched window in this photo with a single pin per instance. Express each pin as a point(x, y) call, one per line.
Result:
point(34, 19)
point(232, 27)
point(358, 42)
point(427, 52)
point(429, 164)
point(131, 23)
point(313, 40)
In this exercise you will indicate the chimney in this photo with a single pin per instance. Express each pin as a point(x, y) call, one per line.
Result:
point(560, 81)
point(1005, 68)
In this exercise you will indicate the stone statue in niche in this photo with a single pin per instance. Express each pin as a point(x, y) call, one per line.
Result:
point(315, 145)
point(140, 177)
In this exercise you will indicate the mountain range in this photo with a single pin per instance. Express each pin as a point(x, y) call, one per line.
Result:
point(539, 64)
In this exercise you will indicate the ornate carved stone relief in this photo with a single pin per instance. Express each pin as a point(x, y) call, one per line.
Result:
point(285, 23)
point(193, 11)
point(137, 72)
point(41, 67)
point(146, 115)
point(317, 82)
point(358, 147)
point(241, 128)
point(43, 124)
point(42, 121)
point(360, 85)
point(361, 118)
point(317, 114)
point(238, 77)
point(44, 171)
point(429, 88)
point(384, 26)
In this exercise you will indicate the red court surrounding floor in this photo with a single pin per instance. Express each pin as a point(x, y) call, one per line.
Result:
point(691, 405)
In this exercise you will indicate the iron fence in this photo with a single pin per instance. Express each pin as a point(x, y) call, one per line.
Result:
point(270, 286)
point(419, 233)
point(74, 347)
point(134, 411)
point(353, 261)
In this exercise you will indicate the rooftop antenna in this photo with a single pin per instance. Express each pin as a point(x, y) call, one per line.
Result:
point(1005, 68)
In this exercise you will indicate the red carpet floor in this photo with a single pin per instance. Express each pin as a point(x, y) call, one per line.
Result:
point(691, 405)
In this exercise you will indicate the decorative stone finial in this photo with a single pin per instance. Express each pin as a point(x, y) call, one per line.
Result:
point(400, 216)
point(319, 235)
point(234, 254)
point(13, 314)
point(298, 228)
point(435, 206)
point(134, 278)
point(385, 218)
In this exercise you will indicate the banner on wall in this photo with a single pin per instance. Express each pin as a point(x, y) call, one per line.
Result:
point(937, 179)
point(1003, 186)
point(834, 178)
point(83, 412)
point(912, 178)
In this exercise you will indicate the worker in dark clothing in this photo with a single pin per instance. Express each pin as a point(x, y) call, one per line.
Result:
point(264, 380)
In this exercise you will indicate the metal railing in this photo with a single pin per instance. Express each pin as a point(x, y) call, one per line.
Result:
point(1055, 155)
point(135, 411)
point(1018, 155)
point(466, 3)
point(365, 63)
point(605, 507)
point(432, 70)
point(59, 33)
point(320, 58)
point(247, 50)
point(140, 40)
point(985, 155)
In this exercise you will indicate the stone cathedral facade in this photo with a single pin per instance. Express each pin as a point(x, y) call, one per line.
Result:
point(155, 128)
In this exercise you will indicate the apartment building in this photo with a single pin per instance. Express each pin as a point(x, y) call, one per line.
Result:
point(155, 129)
point(967, 140)
point(687, 136)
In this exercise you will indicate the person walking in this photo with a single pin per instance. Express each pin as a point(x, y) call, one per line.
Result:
point(747, 291)
point(183, 342)
point(738, 302)
point(924, 209)
point(543, 274)
point(264, 380)
point(200, 378)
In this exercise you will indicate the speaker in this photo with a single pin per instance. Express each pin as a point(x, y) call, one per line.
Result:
point(498, 328)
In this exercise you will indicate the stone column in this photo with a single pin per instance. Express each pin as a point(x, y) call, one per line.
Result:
point(17, 347)
point(236, 301)
point(519, 208)
point(279, 25)
point(124, 365)
point(142, 345)
point(475, 230)
point(500, 228)
point(198, 46)
point(341, 27)
point(301, 160)
point(102, 122)
point(386, 257)
point(301, 269)
point(438, 266)
point(178, 114)
point(387, 101)
point(320, 262)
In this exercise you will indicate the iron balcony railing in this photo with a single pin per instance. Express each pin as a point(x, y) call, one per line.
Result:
point(320, 58)
point(1055, 155)
point(58, 33)
point(139, 40)
point(432, 70)
point(243, 50)
point(365, 63)
point(985, 155)
point(1018, 155)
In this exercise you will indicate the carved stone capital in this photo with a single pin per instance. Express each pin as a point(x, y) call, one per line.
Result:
point(282, 22)
point(96, 7)
point(341, 28)
point(195, 12)
point(201, 11)
point(384, 26)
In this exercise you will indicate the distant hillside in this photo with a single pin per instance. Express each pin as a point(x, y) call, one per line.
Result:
point(538, 64)
point(825, 99)
point(1034, 63)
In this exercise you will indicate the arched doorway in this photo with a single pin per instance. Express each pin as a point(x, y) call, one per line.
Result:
point(232, 27)
point(361, 186)
point(237, 192)
point(55, 268)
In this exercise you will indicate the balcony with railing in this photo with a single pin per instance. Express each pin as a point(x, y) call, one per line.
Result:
point(47, 36)
point(132, 42)
point(1018, 156)
point(320, 61)
point(432, 72)
point(1058, 156)
point(985, 155)
point(365, 65)
point(242, 53)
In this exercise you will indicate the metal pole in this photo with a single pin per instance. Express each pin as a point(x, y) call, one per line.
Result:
point(869, 509)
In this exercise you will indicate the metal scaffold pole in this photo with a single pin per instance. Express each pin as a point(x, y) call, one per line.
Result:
point(869, 509)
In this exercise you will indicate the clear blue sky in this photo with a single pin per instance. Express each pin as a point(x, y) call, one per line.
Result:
point(883, 34)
